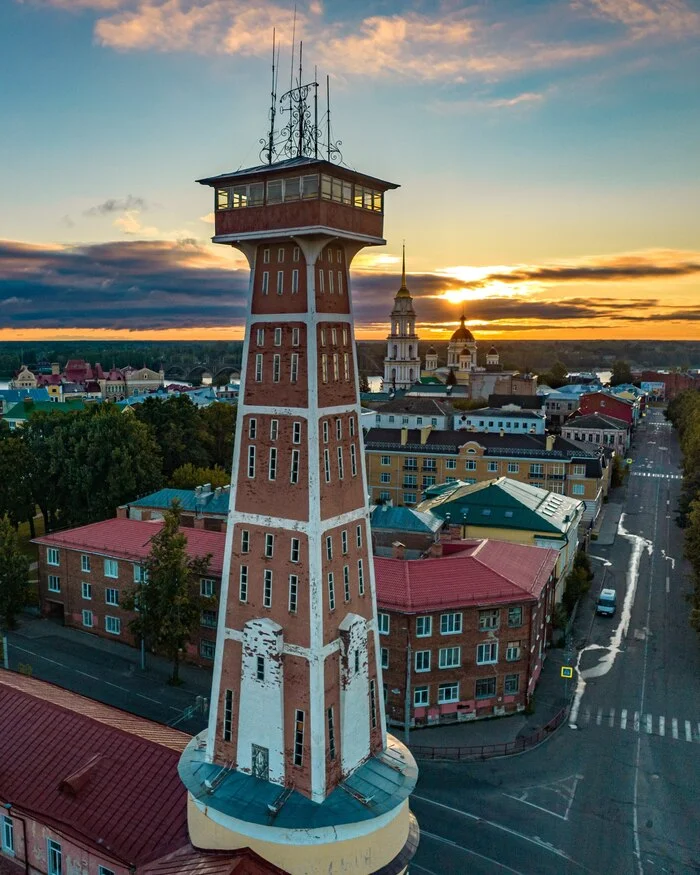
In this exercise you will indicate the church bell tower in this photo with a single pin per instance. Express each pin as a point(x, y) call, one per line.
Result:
point(402, 363)
point(296, 762)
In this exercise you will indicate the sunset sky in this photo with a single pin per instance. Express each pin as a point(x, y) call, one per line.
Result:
point(548, 153)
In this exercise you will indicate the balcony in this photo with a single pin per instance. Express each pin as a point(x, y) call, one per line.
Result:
point(556, 476)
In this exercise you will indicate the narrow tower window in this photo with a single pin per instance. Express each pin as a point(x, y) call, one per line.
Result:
point(373, 704)
point(272, 467)
point(276, 367)
point(269, 545)
point(360, 577)
point(325, 431)
point(358, 533)
point(252, 428)
point(298, 738)
point(295, 254)
point(344, 541)
point(245, 540)
point(267, 589)
point(280, 255)
point(295, 282)
point(294, 470)
point(339, 428)
point(353, 460)
point(329, 548)
point(346, 582)
point(346, 366)
point(266, 256)
point(278, 337)
point(243, 584)
point(327, 465)
point(260, 668)
point(293, 593)
point(294, 551)
point(324, 368)
point(251, 461)
point(295, 337)
point(296, 433)
point(258, 367)
point(260, 337)
point(336, 372)
point(274, 429)
point(294, 367)
point(280, 282)
point(340, 463)
point(331, 734)
point(330, 282)
point(321, 284)
point(265, 281)
point(228, 715)
point(331, 591)
point(340, 282)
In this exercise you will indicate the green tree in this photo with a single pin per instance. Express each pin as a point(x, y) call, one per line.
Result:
point(16, 496)
point(617, 477)
point(168, 600)
point(451, 379)
point(188, 477)
point(469, 403)
point(14, 575)
point(178, 431)
point(559, 372)
point(364, 384)
point(219, 422)
point(621, 373)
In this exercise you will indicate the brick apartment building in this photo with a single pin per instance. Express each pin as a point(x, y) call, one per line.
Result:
point(85, 572)
point(674, 381)
point(610, 405)
point(468, 628)
point(89, 789)
point(403, 463)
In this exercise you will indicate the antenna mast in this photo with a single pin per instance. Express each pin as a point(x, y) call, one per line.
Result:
point(273, 105)
point(328, 116)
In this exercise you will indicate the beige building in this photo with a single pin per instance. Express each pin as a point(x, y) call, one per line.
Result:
point(402, 464)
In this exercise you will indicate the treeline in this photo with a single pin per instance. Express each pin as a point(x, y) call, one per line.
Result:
point(684, 413)
point(78, 467)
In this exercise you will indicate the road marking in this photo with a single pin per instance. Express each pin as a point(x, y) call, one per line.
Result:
point(612, 718)
point(635, 725)
point(599, 717)
point(623, 719)
point(38, 655)
point(688, 731)
point(437, 838)
point(533, 840)
point(85, 674)
point(650, 727)
point(662, 726)
point(674, 728)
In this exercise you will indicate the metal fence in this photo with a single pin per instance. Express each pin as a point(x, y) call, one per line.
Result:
point(485, 751)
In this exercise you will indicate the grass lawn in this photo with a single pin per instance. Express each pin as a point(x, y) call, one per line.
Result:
point(28, 548)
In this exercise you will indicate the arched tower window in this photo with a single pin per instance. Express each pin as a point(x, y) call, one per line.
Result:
point(410, 352)
point(395, 351)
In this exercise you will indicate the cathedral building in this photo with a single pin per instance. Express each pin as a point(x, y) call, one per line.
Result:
point(402, 363)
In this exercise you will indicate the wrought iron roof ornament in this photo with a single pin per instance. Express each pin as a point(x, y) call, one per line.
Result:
point(301, 136)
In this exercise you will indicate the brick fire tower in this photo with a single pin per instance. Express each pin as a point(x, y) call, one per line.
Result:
point(296, 762)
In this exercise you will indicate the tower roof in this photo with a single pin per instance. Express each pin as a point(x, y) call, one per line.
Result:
point(403, 291)
point(493, 351)
point(462, 333)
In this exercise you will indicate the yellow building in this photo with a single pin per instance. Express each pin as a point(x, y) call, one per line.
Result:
point(403, 463)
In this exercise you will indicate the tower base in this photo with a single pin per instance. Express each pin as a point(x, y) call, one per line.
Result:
point(365, 826)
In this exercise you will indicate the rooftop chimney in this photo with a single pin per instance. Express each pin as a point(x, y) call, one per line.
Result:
point(404, 437)
point(549, 443)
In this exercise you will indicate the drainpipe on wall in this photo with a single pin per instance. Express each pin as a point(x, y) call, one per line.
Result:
point(407, 697)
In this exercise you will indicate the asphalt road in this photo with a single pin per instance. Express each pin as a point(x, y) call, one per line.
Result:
point(619, 793)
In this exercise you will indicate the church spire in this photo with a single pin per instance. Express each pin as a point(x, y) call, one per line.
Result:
point(403, 291)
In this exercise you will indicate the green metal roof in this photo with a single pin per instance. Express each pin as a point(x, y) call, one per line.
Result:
point(404, 519)
point(22, 410)
point(504, 503)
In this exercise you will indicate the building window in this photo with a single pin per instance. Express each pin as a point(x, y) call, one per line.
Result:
point(420, 697)
point(513, 651)
point(340, 282)
point(386, 460)
point(269, 545)
point(207, 586)
point(321, 282)
point(330, 282)
point(245, 541)
point(331, 591)
point(470, 465)
point(336, 371)
point(207, 649)
point(260, 337)
point(579, 471)
point(293, 367)
point(422, 660)
point(208, 619)
point(280, 254)
point(267, 589)
point(409, 498)
point(385, 657)
point(252, 428)
point(537, 470)
point(113, 625)
point(295, 337)
point(243, 584)
point(450, 464)
point(8, 835)
point(85, 564)
point(294, 470)
point(491, 467)
point(361, 585)
point(52, 556)
point(429, 465)
point(358, 537)
point(294, 550)
point(296, 433)
point(513, 467)
point(298, 738)
point(265, 282)
point(112, 597)
point(448, 693)
point(353, 460)
point(276, 367)
point(429, 481)
point(487, 653)
point(258, 367)
point(54, 861)
point(280, 282)
point(373, 704)
point(489, 619)
point(449, 657)
point(327, 465)
point(383, 622)
point(329, 547)
point(87, 619)
point(54, 583)
point(331, 733)
point(324, 368)
point(325, 431)
point(485, 688)
point(295, 250)
point(260, 668)
point(111, 568)
point(450, 624)
point(278, 337)
point(578, 489)
point(228, 715)
point(266, 256)
point(515, 616)
point(86, 590)
point(346, 582)
point(341, 472)
point(346, 367)
point(385, 496)
point(424, 627)
point(410, 480)
point(385, 478)
point(272, 464)
point(293, 593)
point(295, 282)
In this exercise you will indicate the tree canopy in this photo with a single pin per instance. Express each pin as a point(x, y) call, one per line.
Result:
point(14, 575)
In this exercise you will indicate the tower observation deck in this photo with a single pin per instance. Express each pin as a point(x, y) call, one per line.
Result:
point(296, 762)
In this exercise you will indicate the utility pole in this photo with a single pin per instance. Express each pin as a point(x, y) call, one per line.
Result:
point(407, 697)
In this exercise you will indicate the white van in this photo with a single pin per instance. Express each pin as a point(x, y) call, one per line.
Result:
point(607, 602)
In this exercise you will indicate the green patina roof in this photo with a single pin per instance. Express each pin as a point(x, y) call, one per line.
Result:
point(404, 519)
point(503, 503)
point(24, 411)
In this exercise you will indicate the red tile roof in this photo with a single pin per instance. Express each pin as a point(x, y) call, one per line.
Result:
point(131, 539)
point(103, 777)
point(482, 573)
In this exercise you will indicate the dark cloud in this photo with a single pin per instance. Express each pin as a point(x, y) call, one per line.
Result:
point(117, 205)
point(160, 285)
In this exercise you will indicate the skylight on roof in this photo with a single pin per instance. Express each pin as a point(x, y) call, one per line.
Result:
point(509, 513)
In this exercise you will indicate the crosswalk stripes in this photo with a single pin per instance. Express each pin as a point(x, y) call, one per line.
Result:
point(641, 722)
point(654, 474)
